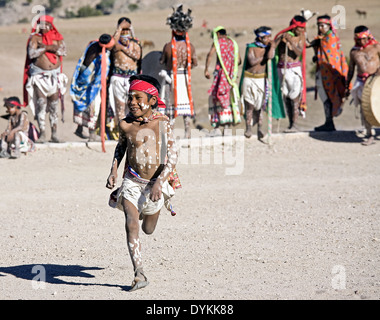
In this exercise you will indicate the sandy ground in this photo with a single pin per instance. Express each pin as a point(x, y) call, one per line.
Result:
point(298, 220)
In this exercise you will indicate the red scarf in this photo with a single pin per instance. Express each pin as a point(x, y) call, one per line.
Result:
point(49, 37)
point(294, 24)
point(175, 68)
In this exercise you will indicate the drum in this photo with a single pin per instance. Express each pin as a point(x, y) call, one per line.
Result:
point(371, 100)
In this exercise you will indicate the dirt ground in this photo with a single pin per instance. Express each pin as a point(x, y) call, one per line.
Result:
point(298, 220)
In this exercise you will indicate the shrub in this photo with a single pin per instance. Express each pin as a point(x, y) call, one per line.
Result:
point(133, 7)
point(88, 11)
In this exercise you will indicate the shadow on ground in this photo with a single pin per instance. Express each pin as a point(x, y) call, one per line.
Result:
point(340, 136)
point(51, 273)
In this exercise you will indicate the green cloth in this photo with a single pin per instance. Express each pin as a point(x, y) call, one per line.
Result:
point(278, 111)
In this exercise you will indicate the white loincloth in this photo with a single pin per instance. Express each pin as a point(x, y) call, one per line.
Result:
point(137, 191)
point(48, 81)
point(183, 102)
point(253, 91)
point(118, 89)
point(291, 86)
point(357, 91)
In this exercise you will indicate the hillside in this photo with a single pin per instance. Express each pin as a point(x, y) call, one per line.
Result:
point(17, 11)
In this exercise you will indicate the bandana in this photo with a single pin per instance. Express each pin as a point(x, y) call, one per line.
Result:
point(293, 24)
point(13, 103)
point(324, 20)
point(140, 85)
point(361, 35)
point(125, 38)
point(263, 34)
point(364, 34)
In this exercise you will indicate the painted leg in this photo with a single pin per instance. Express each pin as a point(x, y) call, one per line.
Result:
point(134, 245)
point(186, 123)
point(258, 118)
point(248, 119)
point(53, 103)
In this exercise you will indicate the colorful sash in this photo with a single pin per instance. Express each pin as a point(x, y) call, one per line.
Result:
point(175, 69)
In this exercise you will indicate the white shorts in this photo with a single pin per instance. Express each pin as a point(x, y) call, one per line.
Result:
point(357, 92)
point(48, 81)
point(137, 191)
point(292, 85)
point(118, 89)
point(253, 91)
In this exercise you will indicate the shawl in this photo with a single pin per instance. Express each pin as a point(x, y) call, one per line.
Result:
point(85, 85)
point(230, 76)
point(333, 67)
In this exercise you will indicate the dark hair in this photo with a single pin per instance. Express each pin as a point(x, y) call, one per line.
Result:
point(325, 16)
point(10, 99)
point(360, 29)
point(299, 19)
point(222, 32)
point(153, 81)
point(124, 19)
point(261, 29)
point(105, 38)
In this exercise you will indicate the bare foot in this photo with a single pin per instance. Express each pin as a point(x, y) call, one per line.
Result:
point(248, 133)
point(291, 130)
point(371, 140)
point(140, 281)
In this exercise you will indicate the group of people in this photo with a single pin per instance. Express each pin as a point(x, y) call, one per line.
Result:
point(274, 68)
point(287, 79)
point(142, 113)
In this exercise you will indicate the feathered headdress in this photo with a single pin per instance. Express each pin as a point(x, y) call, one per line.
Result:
point(180, 20)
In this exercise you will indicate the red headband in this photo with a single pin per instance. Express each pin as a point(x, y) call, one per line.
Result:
point(293, 24)
point(364, 34)
point(14, 103)
point(298, 23)
point(324, 20)
point(140, 85)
